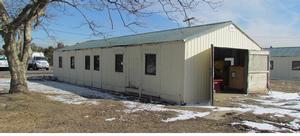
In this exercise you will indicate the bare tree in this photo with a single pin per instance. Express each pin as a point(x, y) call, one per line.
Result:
point(19, 17)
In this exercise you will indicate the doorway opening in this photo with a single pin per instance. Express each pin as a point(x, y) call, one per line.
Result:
point(230, 70)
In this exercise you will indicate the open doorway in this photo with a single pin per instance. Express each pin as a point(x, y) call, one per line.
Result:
point(230, 70)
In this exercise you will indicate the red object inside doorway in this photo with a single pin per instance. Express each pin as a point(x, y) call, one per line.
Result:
point(218, 84)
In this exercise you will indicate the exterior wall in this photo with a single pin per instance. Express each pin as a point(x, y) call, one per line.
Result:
point(78, 75)
point(112, 80)
point(282, 68)
point(56, 69)
point(198, 60)
point(167, 83)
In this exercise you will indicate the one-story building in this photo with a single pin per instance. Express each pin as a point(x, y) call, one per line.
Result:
point(285, 63)
point(182, 65)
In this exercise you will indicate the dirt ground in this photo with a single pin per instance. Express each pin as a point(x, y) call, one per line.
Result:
point(287, 86)
point(34, 112)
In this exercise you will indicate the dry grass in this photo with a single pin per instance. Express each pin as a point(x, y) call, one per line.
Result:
point(286, 86)
point(35, 113)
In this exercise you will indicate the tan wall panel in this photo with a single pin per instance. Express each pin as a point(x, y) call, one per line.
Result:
point(96, 75)
point(112, 80)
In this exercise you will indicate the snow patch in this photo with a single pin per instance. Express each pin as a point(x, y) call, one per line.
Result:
point(217, 108)
point(185, 115)
point(63, 92)
point(295, 124)
point(181, 114)
point(283, 95)
point(110, 119)
point(259, 126)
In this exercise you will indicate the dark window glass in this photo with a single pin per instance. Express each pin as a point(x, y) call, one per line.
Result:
point(72, 62)
point(87, 62)
point(60, 62)
point(119, 63)
point(271, 65)
point(150, 66)
point(295, 65)
point(96, 62)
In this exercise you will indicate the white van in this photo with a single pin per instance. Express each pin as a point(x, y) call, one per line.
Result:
point(3, 62)
point(38, 61)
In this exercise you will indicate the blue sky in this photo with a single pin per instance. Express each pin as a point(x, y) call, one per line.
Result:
point(270, 22)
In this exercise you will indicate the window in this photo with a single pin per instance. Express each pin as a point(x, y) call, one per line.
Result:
point(150, 66)
point(271, 65)
point(119, 63)
point(72, 62)
point(295, 65)
point(87, 62)
point(60, 62)
point(96, 62)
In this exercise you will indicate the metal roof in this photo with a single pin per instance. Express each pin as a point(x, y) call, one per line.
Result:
point(150, 37)
point(284, 51)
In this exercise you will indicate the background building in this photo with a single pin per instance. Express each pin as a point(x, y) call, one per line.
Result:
point(285, 63)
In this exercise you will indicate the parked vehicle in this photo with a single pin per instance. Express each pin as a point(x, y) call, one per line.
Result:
point(38, 61)
point(3, 62)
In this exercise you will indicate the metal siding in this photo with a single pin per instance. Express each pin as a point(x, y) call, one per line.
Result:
point(151, 84)
point(133, 68)
point(72, 72)
point(113, 80)
point(87, 73)
point(172, 71)
point(198, 56)
point(283, 68)
point(67, 71)
point(96, 75)
point(58, 72)
point(79, 66)
point(167, 83)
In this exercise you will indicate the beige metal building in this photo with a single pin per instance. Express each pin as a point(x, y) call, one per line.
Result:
point(176, 65)
point(285, 63)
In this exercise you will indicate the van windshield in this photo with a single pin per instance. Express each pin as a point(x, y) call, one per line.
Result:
point(39, 58)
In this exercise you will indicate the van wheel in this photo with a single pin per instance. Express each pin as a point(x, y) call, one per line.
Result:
point(47, 69)
point(35, 67)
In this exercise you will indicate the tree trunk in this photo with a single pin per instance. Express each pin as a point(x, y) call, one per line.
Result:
point(17, 68)
point(18, 81)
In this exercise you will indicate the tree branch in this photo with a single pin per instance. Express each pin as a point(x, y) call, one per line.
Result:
point(29, 12)
point(27, 41)
point(4, 18)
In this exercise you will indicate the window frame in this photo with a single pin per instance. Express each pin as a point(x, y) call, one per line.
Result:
point(72, 62)
point(121, 64)
point(60, 62)
point(294, 66)
point(87, 62)
point(98, 64)
point(147, 55)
